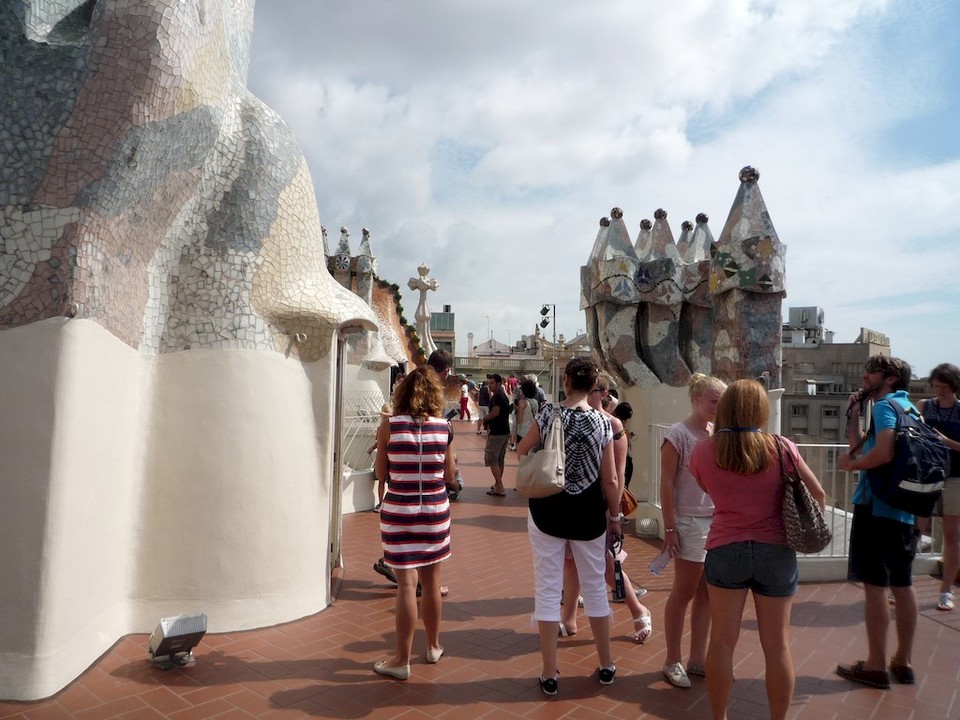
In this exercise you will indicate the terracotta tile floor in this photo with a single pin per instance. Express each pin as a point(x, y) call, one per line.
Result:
point(320, 666)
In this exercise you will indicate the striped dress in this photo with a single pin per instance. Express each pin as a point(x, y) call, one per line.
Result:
point(415, 515)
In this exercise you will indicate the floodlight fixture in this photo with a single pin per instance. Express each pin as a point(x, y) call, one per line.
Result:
point(174, 638)
point(544, 323)
point(544, 310)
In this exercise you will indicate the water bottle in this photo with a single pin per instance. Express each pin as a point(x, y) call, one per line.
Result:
point(660, 562)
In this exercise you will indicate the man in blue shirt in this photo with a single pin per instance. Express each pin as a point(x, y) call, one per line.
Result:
point(883, 540)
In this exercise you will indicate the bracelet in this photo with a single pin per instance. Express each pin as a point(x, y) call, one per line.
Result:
point(617, 518)
point(669, 530)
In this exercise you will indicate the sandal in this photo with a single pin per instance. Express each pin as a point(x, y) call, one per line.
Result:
point(565, 632)
point(493, 492)
point(644, 628)
point(946, 601)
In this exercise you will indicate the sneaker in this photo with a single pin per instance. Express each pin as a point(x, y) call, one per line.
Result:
point(606, 674)
point(550, 686)
point(639, 591)
point(676, 675)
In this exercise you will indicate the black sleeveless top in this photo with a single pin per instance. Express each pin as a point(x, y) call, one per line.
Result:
point(947, 421)
point(580, 511)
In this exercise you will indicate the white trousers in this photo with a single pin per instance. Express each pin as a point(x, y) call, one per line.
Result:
point(548, 555)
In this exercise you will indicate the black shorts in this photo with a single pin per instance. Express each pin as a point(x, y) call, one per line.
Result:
point(881, 549)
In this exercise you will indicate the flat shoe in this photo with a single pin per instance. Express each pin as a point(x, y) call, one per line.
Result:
point(871, 678)
point(945, 602)
point(676, 675)
point(903, 674)
point(381, 567)
point(698, 670)
point(433, 656)
point(399, 673)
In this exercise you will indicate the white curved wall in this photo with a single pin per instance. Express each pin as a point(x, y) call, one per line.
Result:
point(136, 487)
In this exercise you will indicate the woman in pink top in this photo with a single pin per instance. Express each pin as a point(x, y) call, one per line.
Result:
point(747, 545)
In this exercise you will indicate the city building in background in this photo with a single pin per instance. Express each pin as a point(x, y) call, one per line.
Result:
point(819, 375)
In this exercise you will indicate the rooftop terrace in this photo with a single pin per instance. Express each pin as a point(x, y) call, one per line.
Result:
point(320, 666)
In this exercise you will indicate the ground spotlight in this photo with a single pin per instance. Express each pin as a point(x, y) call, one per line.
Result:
point(173, 639)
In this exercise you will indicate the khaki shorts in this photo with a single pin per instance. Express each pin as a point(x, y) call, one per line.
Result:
point(495, 453)
point(951, 496)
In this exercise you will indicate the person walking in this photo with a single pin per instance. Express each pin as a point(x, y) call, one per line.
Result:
point(942, 412)
point(497, 423)
point(465, 400)
point(585, 516)
point(739, 466)
point(687, 513)
point(415, 514)
point(527, 408)
point(883, 540)
point(483, 403)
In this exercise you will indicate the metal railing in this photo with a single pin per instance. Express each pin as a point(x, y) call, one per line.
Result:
point(361, 418)
point(839, 485)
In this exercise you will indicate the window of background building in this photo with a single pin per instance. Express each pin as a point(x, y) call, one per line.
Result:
point(831, 411)
point(836, 368)
point(804, 367)
point(799, 410)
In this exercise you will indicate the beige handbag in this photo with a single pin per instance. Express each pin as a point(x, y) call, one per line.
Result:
point(540, 473)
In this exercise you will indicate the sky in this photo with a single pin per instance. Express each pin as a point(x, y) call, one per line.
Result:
point(488, 138)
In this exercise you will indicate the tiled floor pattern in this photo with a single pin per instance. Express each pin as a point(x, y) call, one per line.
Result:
point(320, 666)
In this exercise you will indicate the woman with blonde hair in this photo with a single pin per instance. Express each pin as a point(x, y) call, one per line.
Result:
point(687, 512)
point(740, 467)
point(415, 514)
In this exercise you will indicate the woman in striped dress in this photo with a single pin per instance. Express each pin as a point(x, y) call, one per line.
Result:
point(415, 515)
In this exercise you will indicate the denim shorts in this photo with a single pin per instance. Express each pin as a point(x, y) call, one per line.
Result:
point(881, 550)
point(769, 570)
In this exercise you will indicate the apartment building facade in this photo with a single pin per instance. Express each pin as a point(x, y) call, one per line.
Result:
point(819, 375)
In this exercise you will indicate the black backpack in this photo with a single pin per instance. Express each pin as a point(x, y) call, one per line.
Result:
point(913, 480)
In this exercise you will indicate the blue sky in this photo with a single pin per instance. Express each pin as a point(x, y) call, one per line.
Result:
point(488, 138)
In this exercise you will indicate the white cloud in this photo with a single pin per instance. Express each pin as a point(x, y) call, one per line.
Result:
point(489, 138)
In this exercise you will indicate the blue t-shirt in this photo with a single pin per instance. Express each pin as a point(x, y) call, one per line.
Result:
point(883, 417)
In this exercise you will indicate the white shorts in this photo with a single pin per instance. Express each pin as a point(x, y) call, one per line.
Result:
point(692, 531)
